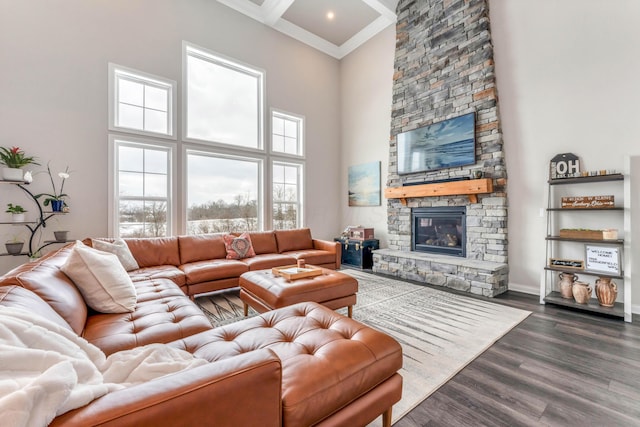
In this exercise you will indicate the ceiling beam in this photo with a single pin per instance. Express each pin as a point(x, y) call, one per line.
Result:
point(248, 8)
point(272, 10)
point(386, 8)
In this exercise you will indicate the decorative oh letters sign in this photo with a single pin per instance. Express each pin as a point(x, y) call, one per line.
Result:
point(564, 165)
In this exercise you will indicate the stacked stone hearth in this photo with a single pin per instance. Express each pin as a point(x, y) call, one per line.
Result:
point(443, 69)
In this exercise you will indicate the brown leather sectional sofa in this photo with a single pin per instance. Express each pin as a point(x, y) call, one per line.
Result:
point(300, 365)
point(198, 263)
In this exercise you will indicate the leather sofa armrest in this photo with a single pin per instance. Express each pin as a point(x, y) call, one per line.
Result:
point(326, 245)
point(218, 393)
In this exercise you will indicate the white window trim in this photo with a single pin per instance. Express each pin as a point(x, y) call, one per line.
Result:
point(301, 133)
point(232, 63)
point(301, 189)
point(225, 154)
point(114, 70)
point(172, 203)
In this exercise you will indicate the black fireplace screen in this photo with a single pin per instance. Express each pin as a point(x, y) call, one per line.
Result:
point(439, 230)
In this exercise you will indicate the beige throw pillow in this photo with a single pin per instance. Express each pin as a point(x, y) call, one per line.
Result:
point(120, 249)
point(101, 279)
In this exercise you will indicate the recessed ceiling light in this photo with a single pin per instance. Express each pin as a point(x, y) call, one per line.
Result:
point(330, 15)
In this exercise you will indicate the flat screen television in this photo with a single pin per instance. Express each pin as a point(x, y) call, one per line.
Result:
point(440, 145)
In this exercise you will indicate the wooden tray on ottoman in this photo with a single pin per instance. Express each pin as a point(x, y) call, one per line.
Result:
point(292, 272)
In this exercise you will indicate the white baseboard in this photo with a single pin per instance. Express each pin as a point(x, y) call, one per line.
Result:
point(524, 289)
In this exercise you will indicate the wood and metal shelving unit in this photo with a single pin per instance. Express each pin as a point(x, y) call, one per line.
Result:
point(557, 246)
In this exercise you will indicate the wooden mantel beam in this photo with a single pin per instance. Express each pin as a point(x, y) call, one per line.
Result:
point(468, 187)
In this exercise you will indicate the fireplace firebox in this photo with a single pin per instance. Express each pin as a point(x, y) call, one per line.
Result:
point(439, 230)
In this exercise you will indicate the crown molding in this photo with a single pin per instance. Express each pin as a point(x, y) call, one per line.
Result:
point(271, 11)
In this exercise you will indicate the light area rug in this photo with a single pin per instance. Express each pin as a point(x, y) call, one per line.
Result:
point(440, 332)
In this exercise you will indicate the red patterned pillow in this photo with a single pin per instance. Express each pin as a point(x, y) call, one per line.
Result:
point(239, 247)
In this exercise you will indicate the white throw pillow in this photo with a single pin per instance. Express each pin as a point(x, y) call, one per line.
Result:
point(120, 249)
point(101, 279)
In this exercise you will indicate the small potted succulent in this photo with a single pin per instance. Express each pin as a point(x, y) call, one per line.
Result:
point(14, 246)
point(17, 212)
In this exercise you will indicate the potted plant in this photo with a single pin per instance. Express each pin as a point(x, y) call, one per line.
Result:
point(17, 212)
point(60, 235)
point(14, 159)
point(55, 199)
point(14, 246)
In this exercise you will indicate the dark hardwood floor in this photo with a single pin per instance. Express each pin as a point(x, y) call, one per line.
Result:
point(558, 367)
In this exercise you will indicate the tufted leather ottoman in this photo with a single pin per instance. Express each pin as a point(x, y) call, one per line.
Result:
point(264, 291)
point(335, 370)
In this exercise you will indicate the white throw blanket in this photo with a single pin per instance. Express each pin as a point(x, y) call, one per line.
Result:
point(47, 370)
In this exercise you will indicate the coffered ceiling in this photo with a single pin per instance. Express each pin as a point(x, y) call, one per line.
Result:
point(335, 27)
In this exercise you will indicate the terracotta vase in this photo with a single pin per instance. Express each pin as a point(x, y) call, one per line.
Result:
point(581, 292)
point(566, 283)
point(606, 291)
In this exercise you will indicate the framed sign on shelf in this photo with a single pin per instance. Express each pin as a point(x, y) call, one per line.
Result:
point(603, 259)
point(576, 264)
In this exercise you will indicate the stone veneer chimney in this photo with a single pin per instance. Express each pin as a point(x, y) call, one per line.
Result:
point(443, 69)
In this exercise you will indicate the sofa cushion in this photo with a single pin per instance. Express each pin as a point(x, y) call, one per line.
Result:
point(102, 280)
point(216, 269)
point(264, 242)
point(163, 314)
point(238, 247)
point(120, 249)
point(152, 251)
point(293, 240)
point(170, 272)
point(313, 256)
point(328, 360)
point(201, 247)
point(44, 278)
point(265, 261)
point(17, 297)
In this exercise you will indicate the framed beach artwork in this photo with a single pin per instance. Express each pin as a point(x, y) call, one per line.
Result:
point(364, 184)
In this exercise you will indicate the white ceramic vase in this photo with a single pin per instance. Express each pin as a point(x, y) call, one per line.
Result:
point(17, 217)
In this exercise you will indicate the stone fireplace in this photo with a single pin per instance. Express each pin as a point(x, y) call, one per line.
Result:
point(439, 230)
point(444, 69)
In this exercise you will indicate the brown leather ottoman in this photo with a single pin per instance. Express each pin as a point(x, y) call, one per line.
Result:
point(264, 291)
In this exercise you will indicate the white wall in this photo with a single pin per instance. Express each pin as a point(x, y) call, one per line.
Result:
point(53, 86)
point(366, 94)
point(567, 75)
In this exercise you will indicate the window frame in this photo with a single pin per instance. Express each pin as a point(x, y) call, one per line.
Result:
point(114, 198)
point(300, 202)
point(233, 64)
point(300, 120)
point(188, 149)
point(115, 71)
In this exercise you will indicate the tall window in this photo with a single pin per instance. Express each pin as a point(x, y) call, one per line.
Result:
point(141, 103)
point(142, 188)
point(232, 180)
point(287, 169)
point(223, 193)
point(287, 195)
point(224, 100)
point(286, 133)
